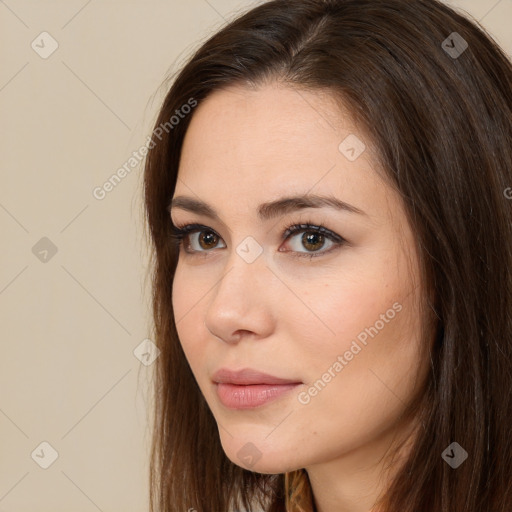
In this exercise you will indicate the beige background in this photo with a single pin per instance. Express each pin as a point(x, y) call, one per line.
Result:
point(70, 323)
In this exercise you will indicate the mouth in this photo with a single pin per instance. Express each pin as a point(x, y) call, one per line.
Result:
point(248, 388)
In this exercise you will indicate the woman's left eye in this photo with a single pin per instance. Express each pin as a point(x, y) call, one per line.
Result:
point(197, 239)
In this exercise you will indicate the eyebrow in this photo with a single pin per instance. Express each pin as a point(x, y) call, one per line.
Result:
point(271, 209)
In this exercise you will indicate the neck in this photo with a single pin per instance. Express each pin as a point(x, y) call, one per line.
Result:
point(355, 481)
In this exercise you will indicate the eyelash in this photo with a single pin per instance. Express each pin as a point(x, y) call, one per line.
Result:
point(180, 232)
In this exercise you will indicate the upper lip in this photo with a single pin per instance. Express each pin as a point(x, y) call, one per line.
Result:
point(248, 376)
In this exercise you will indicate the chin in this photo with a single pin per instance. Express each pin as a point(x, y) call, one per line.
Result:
point(259, 455)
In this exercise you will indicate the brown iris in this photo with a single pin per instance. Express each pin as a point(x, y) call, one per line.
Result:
point(312, 239)
point(208, 238)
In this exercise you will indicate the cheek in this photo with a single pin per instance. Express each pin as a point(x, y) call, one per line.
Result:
point(187, 304)
point(376, 330)
point(362, 342)
point(355, 389)
point(370, 300)
point(182, 296)
point(340, 312)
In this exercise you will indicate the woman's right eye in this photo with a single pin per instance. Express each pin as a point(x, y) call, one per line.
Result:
point(195, 238)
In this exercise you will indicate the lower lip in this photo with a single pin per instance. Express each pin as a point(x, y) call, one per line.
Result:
point(254, 395)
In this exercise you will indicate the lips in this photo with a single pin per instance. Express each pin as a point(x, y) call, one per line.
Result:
point(248, 376)
point(248, 388)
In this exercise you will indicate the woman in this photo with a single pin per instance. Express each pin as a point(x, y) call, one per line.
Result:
point(329, 207)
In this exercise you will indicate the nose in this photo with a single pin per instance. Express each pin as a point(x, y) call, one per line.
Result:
point(241, 303)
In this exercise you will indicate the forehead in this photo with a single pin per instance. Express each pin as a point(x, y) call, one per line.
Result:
point(271, 124)
point(250, 145)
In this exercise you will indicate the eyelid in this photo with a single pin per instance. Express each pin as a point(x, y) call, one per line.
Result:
point(181, 231)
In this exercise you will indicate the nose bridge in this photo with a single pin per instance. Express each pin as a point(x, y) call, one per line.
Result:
point(244, 270)
point(240, 297)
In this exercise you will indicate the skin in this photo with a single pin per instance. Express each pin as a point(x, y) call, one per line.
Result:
point(290, 316)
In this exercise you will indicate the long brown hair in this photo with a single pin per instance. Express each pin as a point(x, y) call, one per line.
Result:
point(434, 94)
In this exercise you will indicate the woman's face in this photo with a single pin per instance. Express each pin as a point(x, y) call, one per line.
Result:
point(333, 317)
